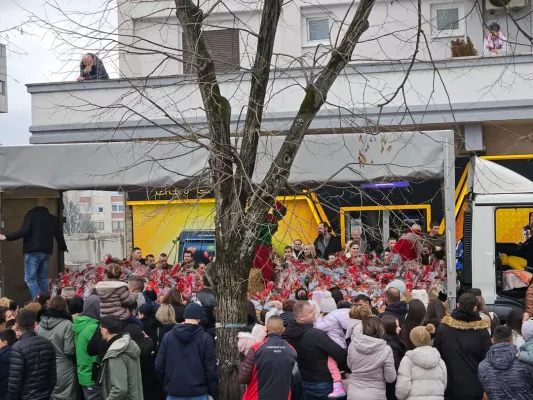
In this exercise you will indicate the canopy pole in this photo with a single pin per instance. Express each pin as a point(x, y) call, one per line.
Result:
point(449, 217)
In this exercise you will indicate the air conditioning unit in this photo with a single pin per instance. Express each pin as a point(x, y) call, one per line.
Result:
point(509, 4)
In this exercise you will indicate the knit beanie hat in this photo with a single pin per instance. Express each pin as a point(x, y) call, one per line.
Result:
point(193, 311)
point(527, 329)
point(421, 335)
point(327, 304)
point(398, 284)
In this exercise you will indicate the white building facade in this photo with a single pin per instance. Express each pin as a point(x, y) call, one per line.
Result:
point(3, 79)
point(485, 99)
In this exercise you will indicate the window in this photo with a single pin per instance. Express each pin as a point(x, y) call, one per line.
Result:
point(85, 208)
point(100, 209)
point(99, 226)
point(222, 44)
point(446, 20)
point(318, 30)
point(117, 208)
point(2, 50)
point(117, 225)
point(2, 88)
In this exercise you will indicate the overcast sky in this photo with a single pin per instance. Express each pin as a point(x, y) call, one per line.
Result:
point(32, 57)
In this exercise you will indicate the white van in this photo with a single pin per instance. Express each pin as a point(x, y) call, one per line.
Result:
point(500, 205)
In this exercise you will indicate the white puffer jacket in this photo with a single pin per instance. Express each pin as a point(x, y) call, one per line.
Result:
point(422, 375)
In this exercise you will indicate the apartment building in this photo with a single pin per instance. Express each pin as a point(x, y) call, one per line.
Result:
point(104, 209)
point(485, 99)
point(3, 79)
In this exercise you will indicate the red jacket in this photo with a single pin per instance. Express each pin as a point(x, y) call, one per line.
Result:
point(267, 369)
point(409, 247)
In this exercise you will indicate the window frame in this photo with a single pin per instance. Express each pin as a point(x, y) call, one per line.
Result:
point(459, 32)
point(2, 88)
point(117, 210)
point(119, 223)
point(98, 208)
point(97, 225)
point(307, 40)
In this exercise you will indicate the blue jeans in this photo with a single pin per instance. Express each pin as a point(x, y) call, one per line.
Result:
point(317, 390)
point(36, 272)
point(203, 397)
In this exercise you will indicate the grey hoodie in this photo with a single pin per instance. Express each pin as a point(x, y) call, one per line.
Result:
point(121, 371)
point(91, 307)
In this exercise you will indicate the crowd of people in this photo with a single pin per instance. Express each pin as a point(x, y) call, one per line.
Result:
point(141, 329)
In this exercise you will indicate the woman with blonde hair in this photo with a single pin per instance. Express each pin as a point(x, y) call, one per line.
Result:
point(309, 252)
point(166, 316)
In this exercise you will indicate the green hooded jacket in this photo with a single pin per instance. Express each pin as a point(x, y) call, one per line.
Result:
point(84, 328)
point(121, 371)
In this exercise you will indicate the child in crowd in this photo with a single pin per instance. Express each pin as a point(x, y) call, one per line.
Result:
point(334, 322)
point(526, 350)
point(422, 373)
point(7, 339)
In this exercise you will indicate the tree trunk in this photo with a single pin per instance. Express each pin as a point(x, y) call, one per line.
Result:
point(232, 297)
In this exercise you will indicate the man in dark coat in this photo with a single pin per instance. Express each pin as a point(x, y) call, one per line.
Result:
point(7, 339)
point(502, 375)
point(267, 368)
point(32, 370)
point(326, 243)
point(186, 359)
point(92, 68)
point(313, 347)
point(394, 307)
point(38, 231)
point(463, 340)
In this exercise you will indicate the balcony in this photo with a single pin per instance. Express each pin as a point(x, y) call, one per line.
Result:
point(452, 91)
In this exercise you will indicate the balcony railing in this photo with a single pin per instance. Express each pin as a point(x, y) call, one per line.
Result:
point(449, 91)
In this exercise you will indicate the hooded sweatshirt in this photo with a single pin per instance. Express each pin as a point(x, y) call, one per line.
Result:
point(503, 376)
point(398, 310)
point(84, 327)
point(121, 371)
point(186, 361)
point(422, 375)
point(372, 364)
point(56, 326)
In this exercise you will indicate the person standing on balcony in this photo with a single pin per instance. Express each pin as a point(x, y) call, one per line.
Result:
point(38, 231)
point(92, 68)
point(495, 44)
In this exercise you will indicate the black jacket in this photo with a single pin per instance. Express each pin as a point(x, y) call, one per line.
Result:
point(267, 369)
point(97, 71)
point(206, 296)
point(334, 246)
point(313, 347)
point(4, 371)
point(38, 231)
point(179, 310)
point(397, 310)
point(463, 340)
point(162, 330)
point(399, 349)
point(32, 370)
point(187, 362)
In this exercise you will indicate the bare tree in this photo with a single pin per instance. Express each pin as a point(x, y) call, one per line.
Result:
point(241, 202)
point(241, 206)
point(76, 220)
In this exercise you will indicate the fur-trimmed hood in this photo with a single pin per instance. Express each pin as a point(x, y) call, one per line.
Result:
point(464, 325)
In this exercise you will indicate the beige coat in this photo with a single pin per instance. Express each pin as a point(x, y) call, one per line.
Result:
point(115, 298)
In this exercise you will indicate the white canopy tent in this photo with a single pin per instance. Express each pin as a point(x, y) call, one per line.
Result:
point(321, 158)
point(334, 158)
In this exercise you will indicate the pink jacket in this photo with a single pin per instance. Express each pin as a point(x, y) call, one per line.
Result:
point(372, 364)
point(247, 340)
point(334, 324)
